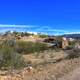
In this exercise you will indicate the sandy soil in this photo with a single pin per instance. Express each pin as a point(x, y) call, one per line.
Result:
point(74, 75)
point(53, 71)
point(63, 70)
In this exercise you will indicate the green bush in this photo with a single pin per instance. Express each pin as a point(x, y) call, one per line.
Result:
point(30, 47)
point(9, 58)
point(72, 44)
point(43, 36)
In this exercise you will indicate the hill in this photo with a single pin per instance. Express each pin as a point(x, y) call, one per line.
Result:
point(75, 36)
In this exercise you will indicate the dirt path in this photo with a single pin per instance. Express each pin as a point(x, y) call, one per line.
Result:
point(74, 75)
point(63, 70)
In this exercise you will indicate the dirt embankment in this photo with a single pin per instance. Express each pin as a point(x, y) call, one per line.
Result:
point(50, 71)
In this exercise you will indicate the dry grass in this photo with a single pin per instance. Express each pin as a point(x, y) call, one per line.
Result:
point(52, 71)
point(43, 70)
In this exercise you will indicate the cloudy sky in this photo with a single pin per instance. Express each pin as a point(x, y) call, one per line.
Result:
point(46, 16)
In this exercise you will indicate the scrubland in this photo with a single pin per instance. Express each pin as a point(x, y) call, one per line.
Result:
point(26, 60)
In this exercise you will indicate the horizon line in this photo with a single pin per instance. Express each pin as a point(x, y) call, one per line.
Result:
point(36, 28)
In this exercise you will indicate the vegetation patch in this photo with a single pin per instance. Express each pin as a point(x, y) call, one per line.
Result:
point(9, 58)
point(30, 47)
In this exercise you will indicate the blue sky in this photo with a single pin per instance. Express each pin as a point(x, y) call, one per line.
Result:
point(47, 16)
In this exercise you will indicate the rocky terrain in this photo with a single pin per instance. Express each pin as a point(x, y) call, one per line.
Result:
point(44, 61)
point(44, 67)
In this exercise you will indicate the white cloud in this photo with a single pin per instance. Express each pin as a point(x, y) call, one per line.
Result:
point(9, 25)
point(36, 28)
point(57, 30)
point(50, 29)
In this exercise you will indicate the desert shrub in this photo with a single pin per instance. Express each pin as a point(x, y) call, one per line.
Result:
point(30, 47)
point(10, 43)
point(9, 58)
point(43, 36)
point(27, 34)
point(72, 44)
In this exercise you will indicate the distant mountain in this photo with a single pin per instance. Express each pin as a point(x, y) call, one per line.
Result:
point(75, 36)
